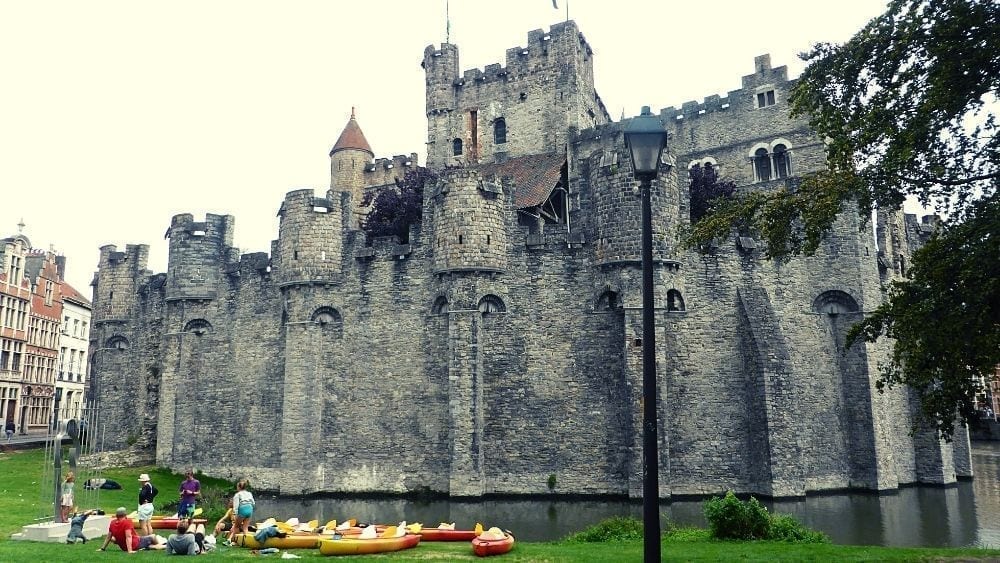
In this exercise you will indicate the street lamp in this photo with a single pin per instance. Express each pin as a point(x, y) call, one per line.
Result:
point(645, 138)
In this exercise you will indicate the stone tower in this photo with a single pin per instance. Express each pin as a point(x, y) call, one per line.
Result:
point(469, 223)
point(525, 107)
point(349, 158)
point(309, 239)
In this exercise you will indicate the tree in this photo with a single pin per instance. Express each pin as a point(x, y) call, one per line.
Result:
point(705, 188)
point(908, 108)
point(395, 209)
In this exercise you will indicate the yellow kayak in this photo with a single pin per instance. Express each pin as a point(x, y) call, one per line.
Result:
point(355, 546)
point(294, 540)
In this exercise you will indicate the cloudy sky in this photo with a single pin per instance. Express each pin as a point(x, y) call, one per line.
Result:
point(116, 115)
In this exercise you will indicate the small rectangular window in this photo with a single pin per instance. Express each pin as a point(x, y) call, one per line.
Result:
point(765, 99)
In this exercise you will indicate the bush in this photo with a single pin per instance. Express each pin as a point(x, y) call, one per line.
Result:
point(787, 529)
point(619, 528)
point(731, 518)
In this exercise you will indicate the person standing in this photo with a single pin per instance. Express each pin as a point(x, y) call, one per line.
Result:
point(147, 492)
point(243, 504)
point(66, 499)
point(9, 429)
point(190, 490)
point(122, 532)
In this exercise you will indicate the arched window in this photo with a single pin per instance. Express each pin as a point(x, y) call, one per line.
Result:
point(440, 306)
point(117, 343)
point(500, 131)
point(674, 301)
point(491, 304)
point(198, 327)
point(609, 301)
point(782, 166)
point(327, 317)
point(835, 302)
point(456, 147)
point(762, 165)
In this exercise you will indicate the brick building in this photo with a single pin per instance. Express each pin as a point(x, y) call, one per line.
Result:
point(500, 344)
point(15, 302)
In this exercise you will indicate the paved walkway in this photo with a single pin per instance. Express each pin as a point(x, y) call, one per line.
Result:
point(26, 441)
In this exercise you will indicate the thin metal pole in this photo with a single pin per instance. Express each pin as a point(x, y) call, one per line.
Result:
point(650, 464)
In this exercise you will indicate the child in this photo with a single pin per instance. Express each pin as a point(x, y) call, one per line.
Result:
point(76, 525)
point(243, 504)
point(66, 501)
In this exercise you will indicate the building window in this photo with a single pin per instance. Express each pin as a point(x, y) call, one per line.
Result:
point(48, 292)
point(675, 302)
point(500, 131)
point(117, 343)
point(765, 99)
point(781, 163)
point(835, 302)
point(440, 306)
point(198, 327)
point(761, 165)
point(491, 304)
point(608, 301)
point(456, 147)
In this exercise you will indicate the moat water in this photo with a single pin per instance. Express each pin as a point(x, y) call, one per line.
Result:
point(966, 514)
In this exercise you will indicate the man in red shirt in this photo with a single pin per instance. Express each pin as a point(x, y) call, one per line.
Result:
point(122, 531)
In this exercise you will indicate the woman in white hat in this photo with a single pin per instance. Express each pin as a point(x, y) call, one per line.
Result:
point(147, 492)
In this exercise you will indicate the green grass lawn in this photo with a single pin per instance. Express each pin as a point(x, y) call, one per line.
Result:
point(20, 472)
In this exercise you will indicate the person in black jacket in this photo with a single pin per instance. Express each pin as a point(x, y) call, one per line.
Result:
point(147, 492)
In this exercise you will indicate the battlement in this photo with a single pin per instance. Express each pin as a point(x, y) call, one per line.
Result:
point(216, 227)
point(385, 171)
point(135, 255)
point(742, 98)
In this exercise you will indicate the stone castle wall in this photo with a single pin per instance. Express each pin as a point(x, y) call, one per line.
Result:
point(489, 354)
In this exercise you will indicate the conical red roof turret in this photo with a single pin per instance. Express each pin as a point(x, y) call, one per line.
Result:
point(352, 138)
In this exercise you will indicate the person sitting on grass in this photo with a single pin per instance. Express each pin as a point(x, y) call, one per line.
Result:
point(121, 531)
point(225, 524)
point(76, 525)
point(184, 542)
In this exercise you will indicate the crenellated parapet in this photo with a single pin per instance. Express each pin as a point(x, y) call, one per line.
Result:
point(118, 275)
point(385, 171)
point(526, 107)
point(469, 217)
point(198, 252)
point(310, 239)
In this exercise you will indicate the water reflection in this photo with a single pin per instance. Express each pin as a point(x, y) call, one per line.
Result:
point(962, 515)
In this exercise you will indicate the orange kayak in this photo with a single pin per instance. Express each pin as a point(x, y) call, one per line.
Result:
point(484, 548)
point(438, 534)
point(357, 546)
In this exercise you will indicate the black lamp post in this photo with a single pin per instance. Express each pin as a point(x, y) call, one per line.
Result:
point(646, 138)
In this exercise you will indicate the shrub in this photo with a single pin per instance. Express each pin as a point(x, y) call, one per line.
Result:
point(787, 529)
point(619, 528)
point(731, 518)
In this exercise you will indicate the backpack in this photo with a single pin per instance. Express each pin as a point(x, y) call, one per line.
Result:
point(155, 490)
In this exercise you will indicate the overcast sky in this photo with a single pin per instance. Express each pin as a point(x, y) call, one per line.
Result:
point(114, 116)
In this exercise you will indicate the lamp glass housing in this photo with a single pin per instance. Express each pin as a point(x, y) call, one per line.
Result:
point(645, 138)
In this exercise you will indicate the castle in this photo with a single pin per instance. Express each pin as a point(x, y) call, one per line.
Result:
point(498, 350)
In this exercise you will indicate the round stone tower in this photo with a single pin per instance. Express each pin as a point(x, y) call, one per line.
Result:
point(197, 253)
point(441, 70)
point(310, 241)
point(469, 218)
point(349, 157)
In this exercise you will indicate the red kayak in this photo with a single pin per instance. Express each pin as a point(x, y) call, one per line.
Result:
point(484, 548)
point(439, 534)
point(167, 523)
